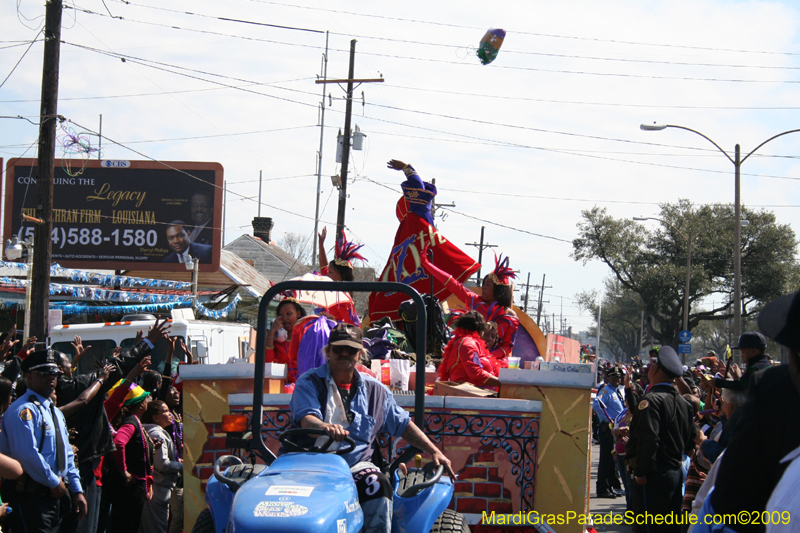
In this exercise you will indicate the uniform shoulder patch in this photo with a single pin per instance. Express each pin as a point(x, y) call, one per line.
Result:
point(26, 414)
point(644, 404)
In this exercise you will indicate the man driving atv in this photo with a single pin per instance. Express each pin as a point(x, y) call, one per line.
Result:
point(338, 399)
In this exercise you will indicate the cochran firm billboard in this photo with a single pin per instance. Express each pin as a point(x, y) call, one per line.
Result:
point(124, 215)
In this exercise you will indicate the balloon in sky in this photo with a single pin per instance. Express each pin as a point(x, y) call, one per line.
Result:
point(490, 45)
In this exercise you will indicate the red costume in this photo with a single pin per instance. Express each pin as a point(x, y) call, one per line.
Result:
point(507, 323)
point(416, 233)
point(280, 354)
point(344, 253)
point(465, 359)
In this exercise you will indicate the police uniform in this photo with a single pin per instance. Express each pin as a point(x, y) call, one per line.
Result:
point(34, 432)
point(608, 405)
point(665, 430)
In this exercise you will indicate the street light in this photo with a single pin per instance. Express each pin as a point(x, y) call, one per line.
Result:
point(14, 248)
point(688, 265)
point(737, 227)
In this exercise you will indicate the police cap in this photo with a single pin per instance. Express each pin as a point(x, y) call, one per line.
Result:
point(613, 372)
point(44, 361)
point(669, 362)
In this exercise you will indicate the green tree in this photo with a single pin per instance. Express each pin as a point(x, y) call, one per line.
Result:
point(621, 318)
point(650, 261)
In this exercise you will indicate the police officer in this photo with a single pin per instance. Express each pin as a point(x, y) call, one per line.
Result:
point(665, 430)
point(608, 405)
point(34, 433)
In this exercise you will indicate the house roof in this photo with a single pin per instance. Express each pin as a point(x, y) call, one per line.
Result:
point(268, 259)
point(232, 270)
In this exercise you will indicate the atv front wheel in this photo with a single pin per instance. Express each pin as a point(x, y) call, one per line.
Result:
point(448, 522)
point(205, 522)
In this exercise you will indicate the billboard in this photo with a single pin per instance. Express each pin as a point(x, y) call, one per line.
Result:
point(123, 215)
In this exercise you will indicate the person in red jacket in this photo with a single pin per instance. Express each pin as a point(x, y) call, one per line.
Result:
point(279, 337)
point(465, 357)
point(494, 302)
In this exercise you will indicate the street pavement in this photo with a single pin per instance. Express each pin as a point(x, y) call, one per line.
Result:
point(602, 505)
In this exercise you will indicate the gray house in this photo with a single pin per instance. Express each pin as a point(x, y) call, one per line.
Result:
point(266, 257)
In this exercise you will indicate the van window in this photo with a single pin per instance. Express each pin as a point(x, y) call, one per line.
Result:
point(158, 355)
point(97, 351)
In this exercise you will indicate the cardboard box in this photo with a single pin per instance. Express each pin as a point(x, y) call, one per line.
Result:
point(454, 388)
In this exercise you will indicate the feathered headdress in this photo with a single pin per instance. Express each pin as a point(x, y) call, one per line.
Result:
point(346, 251)
point(502, 273)
point(288, 294)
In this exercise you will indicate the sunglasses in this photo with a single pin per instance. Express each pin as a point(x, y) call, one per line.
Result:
point(654, 360)
point(47, 373)
point(339, 350)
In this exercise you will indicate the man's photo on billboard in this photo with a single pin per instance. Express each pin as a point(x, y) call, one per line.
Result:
point(182, 247)
point(201, 208)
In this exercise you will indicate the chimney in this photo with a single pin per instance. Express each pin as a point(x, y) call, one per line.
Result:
point(262, 228)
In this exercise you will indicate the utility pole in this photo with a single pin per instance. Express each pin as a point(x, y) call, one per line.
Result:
point(527, 288)
point(435, 206)
point(347, 121)
point(541, 288)
point(42, 244)
point(319, 154)
point(480, 247)
point(599, 323)
point(260, 174)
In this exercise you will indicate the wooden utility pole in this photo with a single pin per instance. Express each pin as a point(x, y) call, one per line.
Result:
point(541, 288)
point(480, 247)
point(346, 147)
point(42, 245)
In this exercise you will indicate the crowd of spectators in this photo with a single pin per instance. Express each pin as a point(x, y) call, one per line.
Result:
point(125, 435)
point(746, 429)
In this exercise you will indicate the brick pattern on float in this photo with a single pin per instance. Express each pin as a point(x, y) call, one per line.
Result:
point(479, 487)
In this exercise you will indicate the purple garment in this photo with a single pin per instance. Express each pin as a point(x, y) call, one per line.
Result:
point(309, 353)
point(418, 193)
point(381, 345)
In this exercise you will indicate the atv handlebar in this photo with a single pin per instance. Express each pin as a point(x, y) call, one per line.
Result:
point(226, 460)
point(284, 439)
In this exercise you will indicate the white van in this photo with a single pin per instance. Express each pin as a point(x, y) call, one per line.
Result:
point(210, 342)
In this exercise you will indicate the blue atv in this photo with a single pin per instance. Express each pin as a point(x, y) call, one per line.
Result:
point(311, 488)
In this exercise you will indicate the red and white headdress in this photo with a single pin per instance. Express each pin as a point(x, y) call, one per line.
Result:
point(346, 251)
point(502, 273)
point(288, 294)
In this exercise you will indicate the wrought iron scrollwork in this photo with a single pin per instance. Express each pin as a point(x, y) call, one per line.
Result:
point(516, 435)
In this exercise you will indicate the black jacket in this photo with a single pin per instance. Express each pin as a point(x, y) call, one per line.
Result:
point(94, 437)
point(767, 428)
point(665, 430)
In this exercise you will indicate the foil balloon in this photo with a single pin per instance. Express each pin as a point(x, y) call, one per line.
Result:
point(490, 45)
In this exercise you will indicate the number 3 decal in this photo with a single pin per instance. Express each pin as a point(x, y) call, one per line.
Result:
point(373, 486)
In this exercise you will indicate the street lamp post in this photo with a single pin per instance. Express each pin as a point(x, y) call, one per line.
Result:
point(14, 248)
point(737, 161)
point(688, 265)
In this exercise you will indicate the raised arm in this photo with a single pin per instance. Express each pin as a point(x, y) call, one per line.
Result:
point(87, 395)
point(453, 285)
point(323, 257)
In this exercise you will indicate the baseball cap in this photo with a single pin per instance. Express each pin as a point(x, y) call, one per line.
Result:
point(43, 361)
point(780, 318)
point(346, 335)
point(751, 339)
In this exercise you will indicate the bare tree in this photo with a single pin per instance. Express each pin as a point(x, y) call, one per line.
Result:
point(299, 246)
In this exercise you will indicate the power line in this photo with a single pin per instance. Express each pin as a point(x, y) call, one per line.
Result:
point(34, 41)
point(473, 65)
point(452, 46)
point(552, 36)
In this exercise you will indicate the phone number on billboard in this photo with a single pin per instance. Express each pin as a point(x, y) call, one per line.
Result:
point(128, 237)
